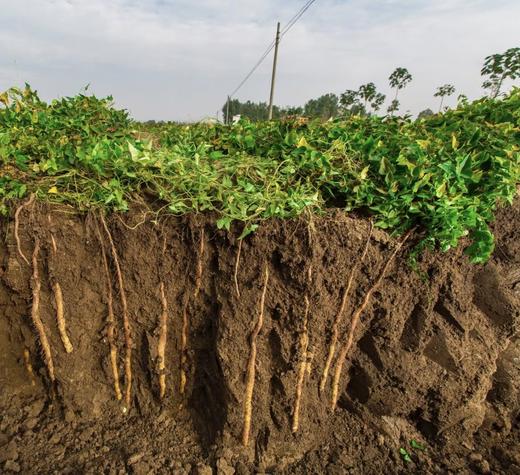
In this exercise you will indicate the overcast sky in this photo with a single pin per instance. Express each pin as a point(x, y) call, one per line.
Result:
point(178, 59)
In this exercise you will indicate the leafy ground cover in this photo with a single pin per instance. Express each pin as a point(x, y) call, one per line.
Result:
point(445, 173)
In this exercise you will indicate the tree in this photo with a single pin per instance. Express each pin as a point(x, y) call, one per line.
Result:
point(368, 93)
point(399, 79)
point(393, 107)
point(425, 113)
point(349, 102)
point(444, 91)
point(324, 107)
point(499, 67)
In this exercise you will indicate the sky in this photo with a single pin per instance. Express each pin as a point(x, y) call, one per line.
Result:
point(179, 59)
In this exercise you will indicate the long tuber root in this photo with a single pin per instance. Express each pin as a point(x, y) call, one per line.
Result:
point(355, 319)
point(60, 317)
point(161, 345)
point(251, 365)
point(339, 315)
point(17, 225)
point(184, 344)
point(304, 363)
point(110, 319)
point(185, 319)
point(35, 312)
point(237, 263)
point(126, 319)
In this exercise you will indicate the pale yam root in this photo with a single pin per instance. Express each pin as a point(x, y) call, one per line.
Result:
point(60, 317)
point(237, 263)
point(304, 363)
point(184, 344)
point(110, 319)
point(161, 345)
point(355, 319)
point(28, 365)
point(17, 226)
point(54, 245)
point(198, 277)
point(35, 312)
point(126, 319)
point(339, 315)
point(251, 365)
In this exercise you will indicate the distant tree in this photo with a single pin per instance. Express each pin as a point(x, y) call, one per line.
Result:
point(377, 102)
point(499, 67)
point(425, 113)
point(444, 91)
point(324, 107)
point(368, 93)
point(393, 107)
point(349, 102)
point(399, 79)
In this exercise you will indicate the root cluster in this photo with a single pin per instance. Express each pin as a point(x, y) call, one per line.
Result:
point(355, 320)
point(126, 319)
point(339, 316)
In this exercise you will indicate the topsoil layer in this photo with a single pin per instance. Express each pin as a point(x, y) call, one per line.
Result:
point(430, 385)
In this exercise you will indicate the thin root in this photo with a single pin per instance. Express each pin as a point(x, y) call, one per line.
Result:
point(339, 316)
point(17, 225)
point(184, 344)
point(355, 319)
point(237, 263)
point(198, 278)
point(28, 365)
point(251, 369)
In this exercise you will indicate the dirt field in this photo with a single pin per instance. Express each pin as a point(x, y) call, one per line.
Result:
point(434, 369)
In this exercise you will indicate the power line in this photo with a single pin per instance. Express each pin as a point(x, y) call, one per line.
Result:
point(289, 25)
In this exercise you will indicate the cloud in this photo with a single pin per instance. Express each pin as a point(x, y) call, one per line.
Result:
point(179, 59)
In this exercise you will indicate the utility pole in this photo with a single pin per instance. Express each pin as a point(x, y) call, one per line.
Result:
point(273, 77)
point(227, 110)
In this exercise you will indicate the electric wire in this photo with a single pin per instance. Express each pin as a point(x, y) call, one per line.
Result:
point(283, 32)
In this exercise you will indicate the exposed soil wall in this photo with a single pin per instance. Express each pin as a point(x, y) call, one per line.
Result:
point(435, 358)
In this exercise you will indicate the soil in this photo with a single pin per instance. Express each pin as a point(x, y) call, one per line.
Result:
point(433, 376)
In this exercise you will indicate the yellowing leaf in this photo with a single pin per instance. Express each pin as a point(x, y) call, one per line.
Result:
point(454, 142)
point(53, 190)
point(423, 143)
point(303, 143)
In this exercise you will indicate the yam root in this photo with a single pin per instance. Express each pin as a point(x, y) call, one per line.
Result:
point(35, 312)
point(355, 319)
point(110, 319)
point(126, 319)
point(184, 344)
point(60, 317)
point(161, 345)
point(304, 363)
point(251, 365)
point(339, 316)
point(17, 226)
